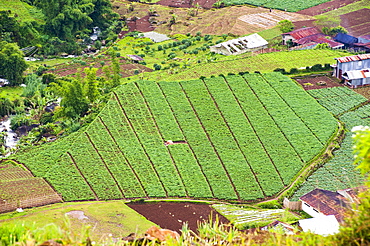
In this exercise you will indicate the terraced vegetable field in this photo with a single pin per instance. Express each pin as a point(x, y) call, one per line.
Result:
point(291, 6)
point(234, 138)
point(19, 188)
point(339, 172)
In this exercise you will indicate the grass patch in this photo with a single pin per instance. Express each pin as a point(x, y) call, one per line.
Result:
point(12, 93)
point(24, 11)
point(113, 217)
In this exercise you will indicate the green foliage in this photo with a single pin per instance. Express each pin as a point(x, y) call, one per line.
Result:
point(12, 63)
point(220, 140)
point(34, 86)
point(285, 26)
point(332, 31)
point(91, 84)
point(6, 107)
point(292, 6)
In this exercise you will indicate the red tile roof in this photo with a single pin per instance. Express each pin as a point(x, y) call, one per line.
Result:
point(353, 58)
point(327, 202)
point(303, 32)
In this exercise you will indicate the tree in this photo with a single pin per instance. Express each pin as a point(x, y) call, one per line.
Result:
point(285, 26)
point(74, 102)
point(12, 63)
point(91, 84)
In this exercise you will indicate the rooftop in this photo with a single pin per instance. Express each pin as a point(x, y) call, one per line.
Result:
point(303, 32)
point(353, 58)
point(327, 202)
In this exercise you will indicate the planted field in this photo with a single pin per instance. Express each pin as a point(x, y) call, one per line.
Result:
point(339, 172)
point(243, 218)
point(291, 6)
point(337, 99)
point(234, 138)
point(262, 63)
point(19, 188)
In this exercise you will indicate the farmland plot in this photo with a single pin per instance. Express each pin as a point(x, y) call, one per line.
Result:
point(339, 172)
point(232, 138)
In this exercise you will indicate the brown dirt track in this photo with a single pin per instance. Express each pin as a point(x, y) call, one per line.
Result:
point(172, 215)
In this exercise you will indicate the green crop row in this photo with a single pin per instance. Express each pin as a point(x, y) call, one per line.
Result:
point(188, 167)
point(289, 122)
point(129, 145)
point(115, 160)
point(332, 98)
point(283, 156)
point(222, 139)
point(247, 141)
point(292, 6)
point(197, 139)
point(316, 118)
point(147, 133)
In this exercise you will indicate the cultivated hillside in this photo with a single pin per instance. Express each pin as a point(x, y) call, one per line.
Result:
point(235, 138)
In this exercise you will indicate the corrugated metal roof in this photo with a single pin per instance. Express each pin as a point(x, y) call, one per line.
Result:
point(303, 32)
point(353, 58)
point(330, 42)
point(243, 43)
point(357, 74)
point(327, 202)
point(136, 57)
point(345, 38)
point(156, 37)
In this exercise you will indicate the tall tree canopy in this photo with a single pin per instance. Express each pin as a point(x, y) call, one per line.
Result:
point(67, 18)
point(12, 63)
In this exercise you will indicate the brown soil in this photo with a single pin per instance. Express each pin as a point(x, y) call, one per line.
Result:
point(357, 23)
point(330, 82)
point(172, 215)
point(325, 7)
point(207, 4)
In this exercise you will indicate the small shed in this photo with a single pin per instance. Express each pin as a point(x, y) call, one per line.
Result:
point(135, 58)
point(346, 39)
point(356, 78)
point(240, 45)
point(156, 37)
point(364, 39)
point(300, 36)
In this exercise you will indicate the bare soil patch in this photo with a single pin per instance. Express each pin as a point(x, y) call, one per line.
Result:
point(357, 23)
point(172, 215)
point(326, 7)
point(207, 4)
point(317, 82)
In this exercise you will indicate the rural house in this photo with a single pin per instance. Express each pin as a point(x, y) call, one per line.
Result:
point(353, 70)
point(363, 44)
point(240, 45)
point(308, 38)
point(346, 39)
point(319, 203)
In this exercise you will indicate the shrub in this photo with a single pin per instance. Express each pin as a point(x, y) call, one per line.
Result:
point(293, 71)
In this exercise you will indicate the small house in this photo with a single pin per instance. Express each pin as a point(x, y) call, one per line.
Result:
point(240, 45)
point(319, 203)
point(354, 70)
point(346, 39)
point(308, 38)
